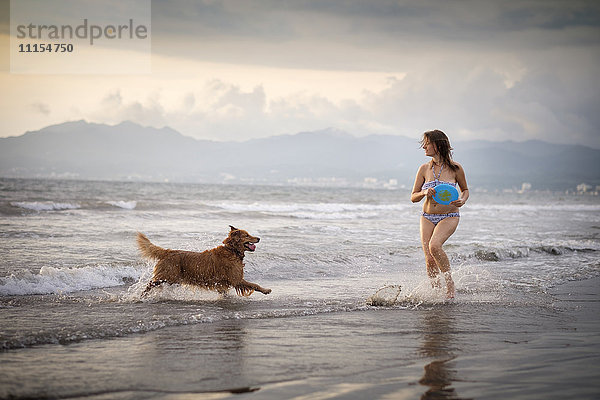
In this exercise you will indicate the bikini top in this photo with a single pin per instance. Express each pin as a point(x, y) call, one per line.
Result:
point(437, 181)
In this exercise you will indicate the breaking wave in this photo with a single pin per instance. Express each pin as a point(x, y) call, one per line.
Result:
point(51, 280)
point(327, 211)
point(127, 205)
point(45, 205)
point(508, 253)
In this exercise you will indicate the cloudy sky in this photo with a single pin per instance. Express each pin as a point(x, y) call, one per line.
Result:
point(234, 70)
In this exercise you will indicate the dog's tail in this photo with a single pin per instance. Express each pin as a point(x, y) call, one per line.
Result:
point(149, 250)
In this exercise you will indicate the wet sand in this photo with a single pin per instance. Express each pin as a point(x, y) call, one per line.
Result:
point(524, 353)
point(439, 351)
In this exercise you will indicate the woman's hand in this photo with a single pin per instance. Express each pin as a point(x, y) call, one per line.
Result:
point(458, 203)
point(430, 192)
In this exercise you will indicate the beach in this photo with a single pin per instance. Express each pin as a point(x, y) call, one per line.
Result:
point(524, 324)
point(431, 352)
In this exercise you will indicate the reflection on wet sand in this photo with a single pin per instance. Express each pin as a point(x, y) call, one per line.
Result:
point(438, 343)
point(215, 353)
point(439, 376)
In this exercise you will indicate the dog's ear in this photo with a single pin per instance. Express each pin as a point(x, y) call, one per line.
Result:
point(233, 228)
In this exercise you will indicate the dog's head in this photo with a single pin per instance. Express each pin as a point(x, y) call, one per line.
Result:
point(241, 240)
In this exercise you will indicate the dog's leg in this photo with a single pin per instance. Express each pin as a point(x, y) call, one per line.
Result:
point(151, 285)
point(242, 290)
point(254, 286)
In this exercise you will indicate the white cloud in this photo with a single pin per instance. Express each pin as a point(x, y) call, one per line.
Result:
point(41, 108)
point(113, 109)
point(469, 98)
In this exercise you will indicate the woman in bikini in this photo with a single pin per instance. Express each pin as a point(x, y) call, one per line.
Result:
point(438, 222)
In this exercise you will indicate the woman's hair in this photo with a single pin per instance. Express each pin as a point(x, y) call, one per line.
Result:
point(442, 144)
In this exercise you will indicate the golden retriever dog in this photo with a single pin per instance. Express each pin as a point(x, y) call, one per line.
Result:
point(217, 269)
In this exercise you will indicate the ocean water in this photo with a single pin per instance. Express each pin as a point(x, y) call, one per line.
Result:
point(71, 275)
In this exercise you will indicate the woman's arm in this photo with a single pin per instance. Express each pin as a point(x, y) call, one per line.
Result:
point(464, 189)
point(418, 194)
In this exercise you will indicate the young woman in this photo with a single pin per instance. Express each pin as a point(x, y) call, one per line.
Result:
point(438, 221)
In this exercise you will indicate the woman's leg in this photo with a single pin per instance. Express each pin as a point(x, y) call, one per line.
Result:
point(427, 228)
point(443, 230)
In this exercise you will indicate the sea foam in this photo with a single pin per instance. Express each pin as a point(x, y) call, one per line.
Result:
point(127, 205)
point(45, 205)
point(66, 280)
point(327, 211)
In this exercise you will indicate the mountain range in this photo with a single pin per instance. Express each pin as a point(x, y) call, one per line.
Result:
point(127, 151)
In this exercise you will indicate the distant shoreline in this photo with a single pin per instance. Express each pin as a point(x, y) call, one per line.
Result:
point(327, 157)
point(474, 189)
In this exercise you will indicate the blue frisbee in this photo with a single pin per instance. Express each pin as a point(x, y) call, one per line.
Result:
point(445, 194)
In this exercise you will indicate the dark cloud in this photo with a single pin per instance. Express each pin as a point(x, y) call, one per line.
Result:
point(361, 23)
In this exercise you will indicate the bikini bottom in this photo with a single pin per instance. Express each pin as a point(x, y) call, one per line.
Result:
point(436, 218)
